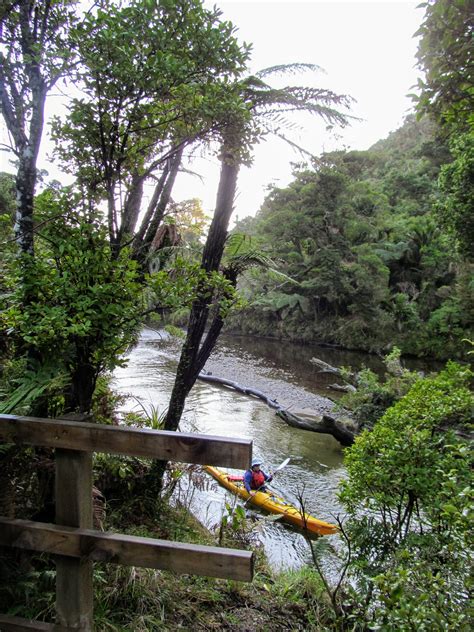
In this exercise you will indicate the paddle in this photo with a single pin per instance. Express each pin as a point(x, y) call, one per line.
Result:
point(281, 466)
point(277, 469)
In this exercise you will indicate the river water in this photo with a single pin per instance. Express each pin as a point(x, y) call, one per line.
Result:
point(283, 371)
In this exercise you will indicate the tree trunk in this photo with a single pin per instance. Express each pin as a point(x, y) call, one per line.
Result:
point(191, 360)
point(324, 425)
point(139, 237)
point(112, 217)
point(26, 174)
point(193, 356)
point(160, 208)
point(131, 208)
point(83, 381)
point(25, 192)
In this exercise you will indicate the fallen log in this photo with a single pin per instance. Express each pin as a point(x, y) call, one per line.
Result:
point(246, 390)
point(323, 425)
point(324, 367)
point(347, 388)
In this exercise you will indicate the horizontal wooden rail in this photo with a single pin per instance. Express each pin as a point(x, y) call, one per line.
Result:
point(18, 624)
point(193, 559)
point(155, 444)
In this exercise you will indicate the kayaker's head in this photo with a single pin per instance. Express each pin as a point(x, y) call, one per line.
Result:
point(255, 465)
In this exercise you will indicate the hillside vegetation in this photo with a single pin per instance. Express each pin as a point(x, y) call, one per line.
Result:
point(369, 264)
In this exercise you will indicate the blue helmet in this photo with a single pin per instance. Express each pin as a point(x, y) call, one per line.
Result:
point(256, 462)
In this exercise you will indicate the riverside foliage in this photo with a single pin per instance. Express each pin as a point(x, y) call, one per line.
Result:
point(409, 500)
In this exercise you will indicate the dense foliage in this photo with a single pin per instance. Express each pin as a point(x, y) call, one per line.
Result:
point(87, 307)
point(409, 500)
point(368, 262)
point(445, 55)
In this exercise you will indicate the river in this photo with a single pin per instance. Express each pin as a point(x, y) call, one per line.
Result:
point(281, 370)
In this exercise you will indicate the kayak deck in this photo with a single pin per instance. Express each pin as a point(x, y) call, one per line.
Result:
point(272, 503)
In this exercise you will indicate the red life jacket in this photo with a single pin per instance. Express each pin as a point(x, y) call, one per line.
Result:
point(258, 479)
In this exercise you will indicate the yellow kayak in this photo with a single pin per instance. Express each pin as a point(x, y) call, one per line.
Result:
point(271, 503)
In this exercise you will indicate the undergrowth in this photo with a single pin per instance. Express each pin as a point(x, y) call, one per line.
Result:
point(143, 600)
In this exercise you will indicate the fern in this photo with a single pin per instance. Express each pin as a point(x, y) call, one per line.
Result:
point(32, 386)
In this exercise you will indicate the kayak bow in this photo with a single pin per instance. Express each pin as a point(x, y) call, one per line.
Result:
point(268, 501)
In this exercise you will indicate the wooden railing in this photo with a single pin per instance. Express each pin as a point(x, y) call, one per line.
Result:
point(72, 540)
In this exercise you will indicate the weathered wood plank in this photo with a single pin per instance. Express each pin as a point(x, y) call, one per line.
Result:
point(156, 444)
point(74, 591)
point(209, 561)
point(17, 624)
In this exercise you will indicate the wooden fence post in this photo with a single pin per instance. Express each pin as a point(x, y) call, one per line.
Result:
point(75, 548)
point(74, 592)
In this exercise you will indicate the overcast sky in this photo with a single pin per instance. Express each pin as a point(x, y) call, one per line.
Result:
point(367, 50)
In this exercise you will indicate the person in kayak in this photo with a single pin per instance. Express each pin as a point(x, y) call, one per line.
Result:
point(255, 478)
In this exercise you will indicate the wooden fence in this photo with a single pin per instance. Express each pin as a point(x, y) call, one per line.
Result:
point(72, 540)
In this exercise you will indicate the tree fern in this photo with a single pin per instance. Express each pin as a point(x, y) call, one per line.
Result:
point(288, 69)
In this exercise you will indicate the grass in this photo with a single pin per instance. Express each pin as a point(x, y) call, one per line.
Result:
point(142, 599)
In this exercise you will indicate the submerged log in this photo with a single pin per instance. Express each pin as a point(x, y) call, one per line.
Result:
point(323, 425)
point(324, 367)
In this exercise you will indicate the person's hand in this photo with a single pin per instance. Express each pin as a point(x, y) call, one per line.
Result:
point(253, 492)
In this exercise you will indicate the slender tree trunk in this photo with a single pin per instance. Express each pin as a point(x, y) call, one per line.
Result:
point(26, 130)
point(27, 174)
point(165, 196)
point(112, 216)
point(131, 208)
point(25, 192)
point(191, 361)
point(193, 355)
point(139, 236)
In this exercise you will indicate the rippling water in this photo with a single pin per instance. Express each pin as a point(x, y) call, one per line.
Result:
point(316, 460)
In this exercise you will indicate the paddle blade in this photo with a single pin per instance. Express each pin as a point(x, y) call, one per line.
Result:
point(281, 466)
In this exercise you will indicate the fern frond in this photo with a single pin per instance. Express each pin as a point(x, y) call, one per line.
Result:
point(281, 275)
point(238, 264)
point(235, 242)
point(289, 69)
point(304, 152)
point(320, 102)
point(32, 385)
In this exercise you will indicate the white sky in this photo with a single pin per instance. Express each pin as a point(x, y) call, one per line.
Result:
point(367, 50)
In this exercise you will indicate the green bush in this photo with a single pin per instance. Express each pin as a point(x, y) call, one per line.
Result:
point(409, 500)
point(373, 395)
